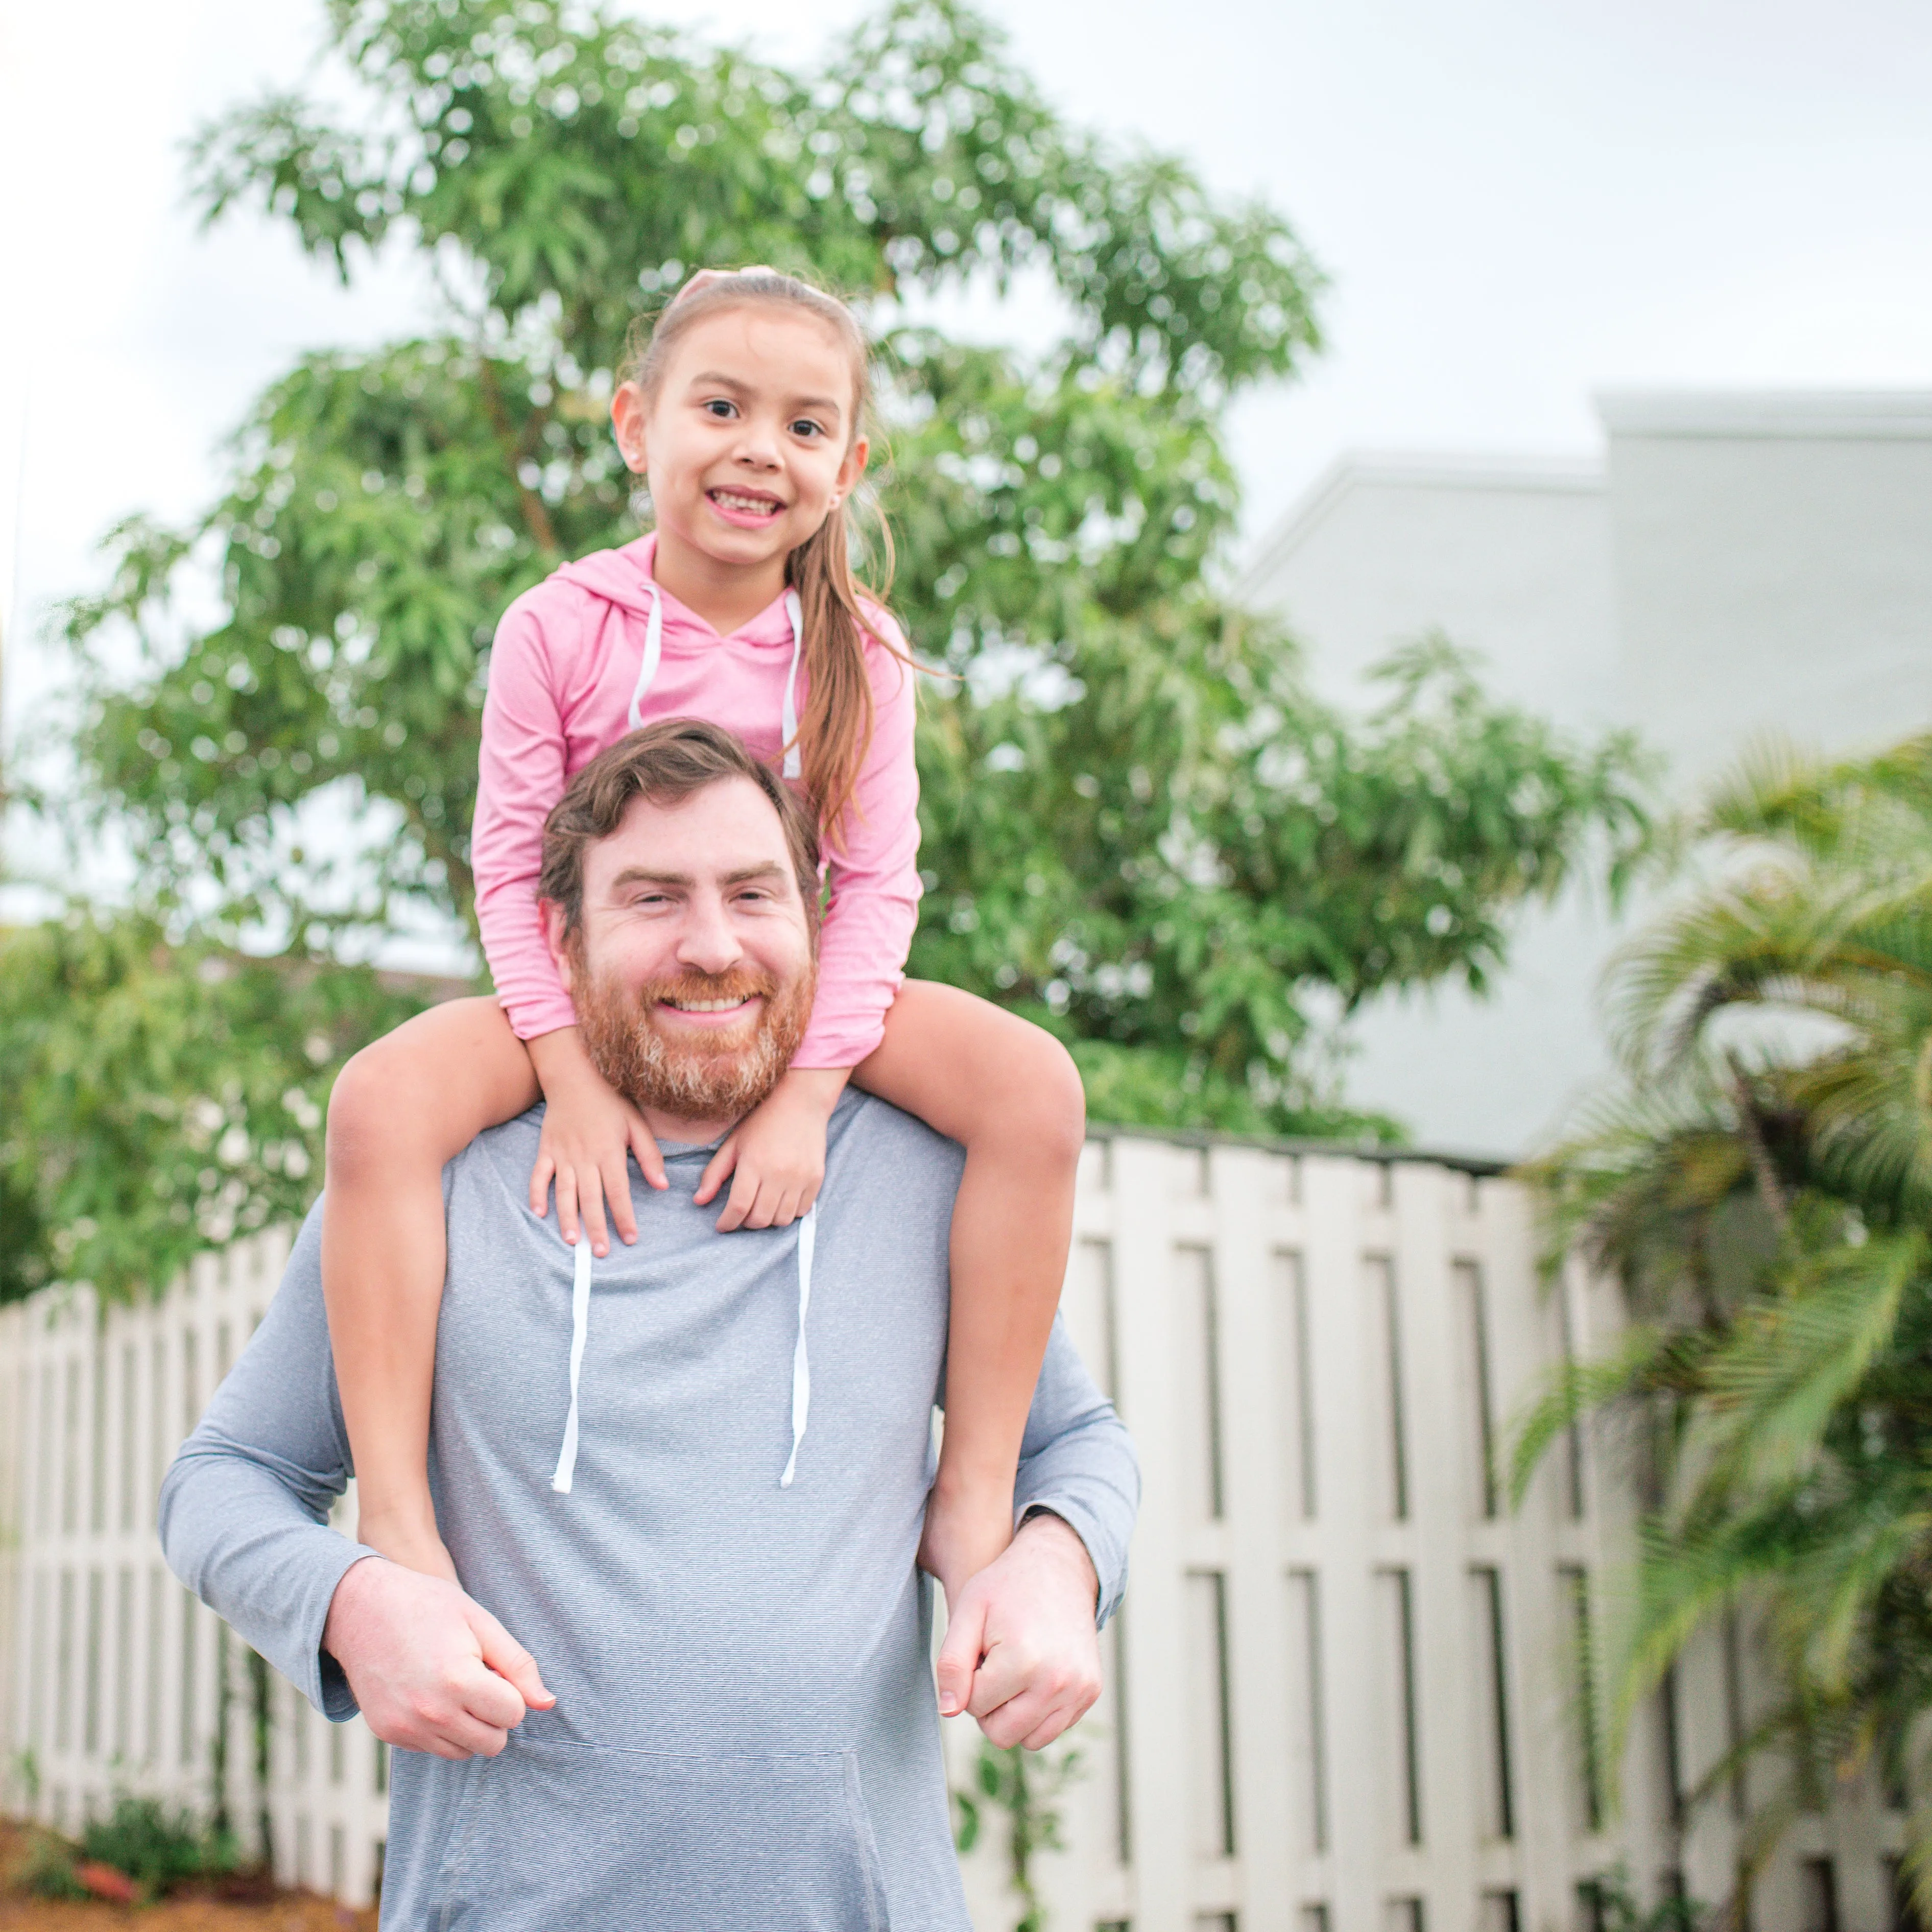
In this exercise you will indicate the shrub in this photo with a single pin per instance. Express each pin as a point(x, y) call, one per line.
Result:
point(157, 1848)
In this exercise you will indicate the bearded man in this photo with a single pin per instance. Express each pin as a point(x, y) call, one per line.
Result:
point(689, 1478)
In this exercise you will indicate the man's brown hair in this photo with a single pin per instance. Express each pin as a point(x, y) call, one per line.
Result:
point(666, 763)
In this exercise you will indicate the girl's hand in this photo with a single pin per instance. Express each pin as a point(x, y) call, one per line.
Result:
point(589, 1132)
point(776, 1153)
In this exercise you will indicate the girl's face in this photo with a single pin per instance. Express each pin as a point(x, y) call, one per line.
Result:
point(749, 440)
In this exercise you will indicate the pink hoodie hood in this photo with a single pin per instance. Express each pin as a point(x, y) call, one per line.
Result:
point(623, 576)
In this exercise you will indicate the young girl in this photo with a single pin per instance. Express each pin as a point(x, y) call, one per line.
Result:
point(746, 410)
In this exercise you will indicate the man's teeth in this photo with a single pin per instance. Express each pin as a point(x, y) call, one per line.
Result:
point(706, 1006)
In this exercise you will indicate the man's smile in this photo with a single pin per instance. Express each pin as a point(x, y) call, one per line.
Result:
point(713, 1013)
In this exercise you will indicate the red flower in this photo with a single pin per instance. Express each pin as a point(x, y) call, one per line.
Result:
point(104, 1882)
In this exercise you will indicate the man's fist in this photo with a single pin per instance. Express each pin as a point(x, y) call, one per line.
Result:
point(1021, 1652)
point(432, 1670)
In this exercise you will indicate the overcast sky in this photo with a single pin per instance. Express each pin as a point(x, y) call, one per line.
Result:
point(1519, 201)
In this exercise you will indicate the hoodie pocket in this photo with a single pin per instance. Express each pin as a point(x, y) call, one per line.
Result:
point(554, 1835)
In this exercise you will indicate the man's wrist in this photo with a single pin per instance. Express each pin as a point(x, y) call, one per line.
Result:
point(1043, 1521)
point(351, 1592)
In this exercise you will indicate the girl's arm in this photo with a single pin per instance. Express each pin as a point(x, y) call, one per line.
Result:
point(873, 863)
point(588, 1132)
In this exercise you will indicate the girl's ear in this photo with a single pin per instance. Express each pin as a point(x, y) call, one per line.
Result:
point(628, 416)
point(851, 470)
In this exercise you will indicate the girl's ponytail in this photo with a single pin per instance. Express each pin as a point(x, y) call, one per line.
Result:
point(835, 731)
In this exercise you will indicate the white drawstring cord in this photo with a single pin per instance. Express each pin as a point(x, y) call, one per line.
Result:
point(794, 767)
point(647, 671)
point(580, 1329)
point(801, 1365)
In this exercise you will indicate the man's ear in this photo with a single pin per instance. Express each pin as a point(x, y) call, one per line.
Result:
point(556, 937)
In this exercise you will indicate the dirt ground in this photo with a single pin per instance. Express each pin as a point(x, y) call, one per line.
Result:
point(279, 1911)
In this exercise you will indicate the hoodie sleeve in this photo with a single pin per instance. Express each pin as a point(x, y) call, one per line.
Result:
point(1078, 1460)
point(244, 1507)
point(874, 875)
point(520, 775)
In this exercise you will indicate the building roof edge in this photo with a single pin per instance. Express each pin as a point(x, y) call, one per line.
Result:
point(1423, 470)
point(1853, 414)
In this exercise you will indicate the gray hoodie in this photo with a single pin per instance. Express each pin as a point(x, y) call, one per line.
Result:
point(746, 1737)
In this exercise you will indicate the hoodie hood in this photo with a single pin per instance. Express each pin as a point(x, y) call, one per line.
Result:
point(623, 577)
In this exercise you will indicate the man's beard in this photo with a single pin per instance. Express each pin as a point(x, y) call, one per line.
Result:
point(702, 1075)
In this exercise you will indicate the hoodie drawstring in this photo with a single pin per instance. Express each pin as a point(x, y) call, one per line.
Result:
point(801, 1363)
point(647, 672)
point(793, 766)
point(580, 1331)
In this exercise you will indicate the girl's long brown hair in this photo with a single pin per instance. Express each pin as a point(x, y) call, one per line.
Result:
point(835, 731)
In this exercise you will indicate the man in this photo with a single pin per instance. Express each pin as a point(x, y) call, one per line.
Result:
point(690, 1477)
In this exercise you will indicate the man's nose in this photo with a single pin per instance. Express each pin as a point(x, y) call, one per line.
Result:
point(709, 943)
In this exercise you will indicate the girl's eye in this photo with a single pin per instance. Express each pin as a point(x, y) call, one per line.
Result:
point(720, 408)
point(806, 427)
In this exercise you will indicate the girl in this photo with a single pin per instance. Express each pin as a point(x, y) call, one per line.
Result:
point(745, 409)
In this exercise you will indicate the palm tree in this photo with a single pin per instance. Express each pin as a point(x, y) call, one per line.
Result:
point(1760, 1183)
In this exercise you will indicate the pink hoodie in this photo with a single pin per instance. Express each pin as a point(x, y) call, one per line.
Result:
point(569, 677)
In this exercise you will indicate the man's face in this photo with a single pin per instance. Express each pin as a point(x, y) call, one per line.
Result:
point(692, 970)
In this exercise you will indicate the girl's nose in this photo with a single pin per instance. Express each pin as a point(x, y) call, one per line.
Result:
point(758, 447)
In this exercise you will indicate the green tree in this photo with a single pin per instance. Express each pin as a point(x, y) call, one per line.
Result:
point(1141, 825)
point(1761, 1186)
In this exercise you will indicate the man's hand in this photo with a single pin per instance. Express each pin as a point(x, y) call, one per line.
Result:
point(433, 1670)
point(1021, 1652)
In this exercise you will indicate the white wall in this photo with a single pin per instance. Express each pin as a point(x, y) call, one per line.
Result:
point(1739, 563)
point(1773, 568)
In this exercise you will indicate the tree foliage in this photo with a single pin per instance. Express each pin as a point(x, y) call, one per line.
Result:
point(1140, 826)
point(1761, 1187)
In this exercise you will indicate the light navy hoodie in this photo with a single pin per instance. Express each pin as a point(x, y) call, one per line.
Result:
point(746, 1737)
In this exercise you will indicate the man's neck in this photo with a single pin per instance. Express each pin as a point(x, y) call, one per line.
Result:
point(685, 1130)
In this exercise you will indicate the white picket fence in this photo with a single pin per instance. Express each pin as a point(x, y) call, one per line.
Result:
point(1346, 1694)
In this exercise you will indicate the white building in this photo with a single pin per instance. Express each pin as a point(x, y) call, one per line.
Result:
point(1736, 564)
point(1351, 1691)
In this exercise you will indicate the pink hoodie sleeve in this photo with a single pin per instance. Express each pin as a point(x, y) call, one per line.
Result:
point(875, 883)
point(521, 776)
